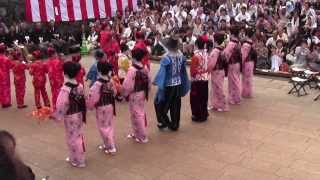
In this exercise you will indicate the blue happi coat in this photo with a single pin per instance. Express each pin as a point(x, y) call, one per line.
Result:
point(172, 73)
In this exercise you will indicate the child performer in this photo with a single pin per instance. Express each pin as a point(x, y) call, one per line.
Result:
point(19, 73)
point(141, 44)
point(101, 98)
point(233, 55)
point(5, 86)
point(54, 68)
point(249, 57)
point(136, 85)
point(71, 107)
point(38, 71)
point(82, 72)
point(124, 64)
point(216, 66)
point(92, 75)
point(199, 82)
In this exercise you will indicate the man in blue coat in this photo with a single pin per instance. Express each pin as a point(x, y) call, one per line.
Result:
point(173, 84)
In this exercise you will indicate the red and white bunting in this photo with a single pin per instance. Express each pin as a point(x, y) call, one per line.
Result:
point(74, 10)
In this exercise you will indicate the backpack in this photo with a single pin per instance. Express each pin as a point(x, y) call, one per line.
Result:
point(77, 102)
point(141, 81)
point(236, 56)
point(106, 96)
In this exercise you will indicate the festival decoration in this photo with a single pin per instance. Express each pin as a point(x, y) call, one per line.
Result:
point(41, 114)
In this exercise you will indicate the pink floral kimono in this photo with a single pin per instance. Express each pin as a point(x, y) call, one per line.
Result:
point(101, 98)
point(233, 55)
point(136, 86)
point(71, 109)
point(217, 68)
point(247, 69)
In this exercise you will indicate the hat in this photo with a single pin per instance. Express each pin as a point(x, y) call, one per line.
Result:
point(36, 54)
point(51, 51)
point(172, 43)
point(76, 58)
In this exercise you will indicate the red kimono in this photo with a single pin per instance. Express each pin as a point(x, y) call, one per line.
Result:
point(38, 72)
point(111, 48)
point(142, 45)
point(19, 74)
point(5, 89)
point(54, 68)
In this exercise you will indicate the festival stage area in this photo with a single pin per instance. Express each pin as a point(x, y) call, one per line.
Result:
point(274, 136)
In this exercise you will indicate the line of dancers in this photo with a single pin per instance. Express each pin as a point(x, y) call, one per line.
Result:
point(235, 60)
point(70, 103)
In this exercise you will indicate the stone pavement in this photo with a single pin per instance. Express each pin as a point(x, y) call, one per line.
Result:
point(274, 136)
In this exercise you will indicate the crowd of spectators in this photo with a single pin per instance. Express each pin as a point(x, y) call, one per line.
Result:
point(286, 34)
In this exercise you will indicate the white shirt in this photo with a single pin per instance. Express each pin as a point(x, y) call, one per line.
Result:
point(243, 17)
point(194, 12)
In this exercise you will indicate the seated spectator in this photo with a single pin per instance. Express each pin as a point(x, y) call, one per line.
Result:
point(243, 16)
point(314, 63)
point(302, 53)
point(277, 55)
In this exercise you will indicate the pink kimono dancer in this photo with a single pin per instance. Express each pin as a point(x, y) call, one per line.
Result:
point(218, 98)
point(247, 79)
point(105, 124)
point(104, 118)
point(234, 84)
point(138, 116)
point(136, 106)
point(73, 128)
point(75, 139)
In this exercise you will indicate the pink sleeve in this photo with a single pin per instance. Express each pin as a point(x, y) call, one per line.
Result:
point(228, 49)
point(128, 83)
point(94, 96)
point(62, 104)
point(213, 57)
point(245, 51)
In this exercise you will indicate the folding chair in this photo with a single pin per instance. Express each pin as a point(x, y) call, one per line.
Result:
point(312, 78)
point(298, 85)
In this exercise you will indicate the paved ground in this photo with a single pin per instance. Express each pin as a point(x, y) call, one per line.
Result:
point(274, 136)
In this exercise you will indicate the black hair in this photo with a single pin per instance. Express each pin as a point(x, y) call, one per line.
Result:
point(250, 32)
point(104, 68)
point(209, 45)
point(219, 38)
point(172, 43)
point(99, 54)
point(200, 43)
point(124, 47)
point(7, 170)
point(235, 30)
point(138, 54)
point(71, 69)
